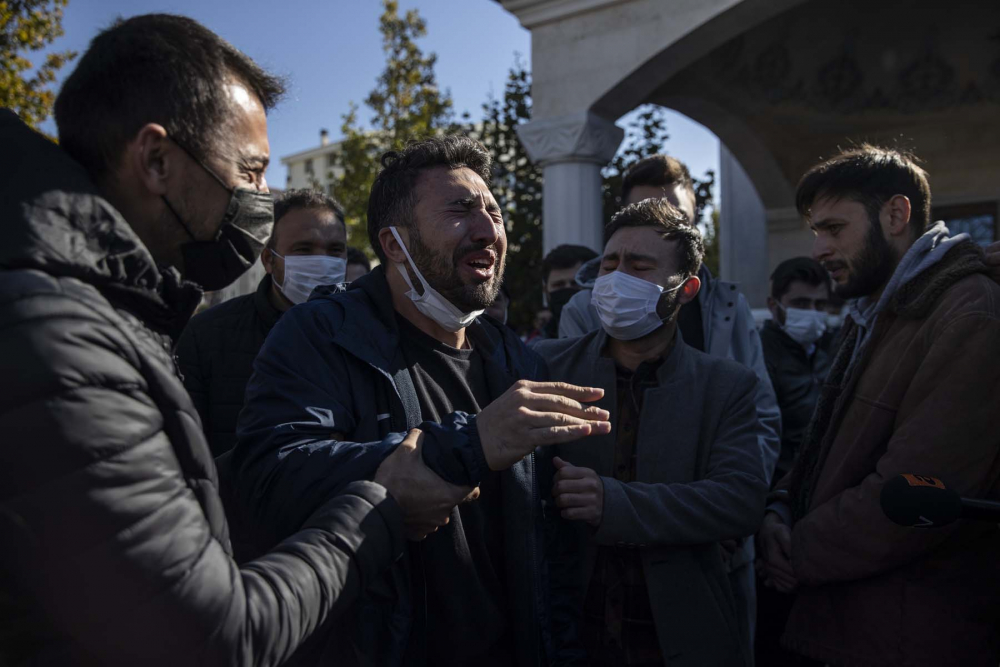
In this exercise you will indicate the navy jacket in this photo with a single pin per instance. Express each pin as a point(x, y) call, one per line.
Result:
point(333, 366)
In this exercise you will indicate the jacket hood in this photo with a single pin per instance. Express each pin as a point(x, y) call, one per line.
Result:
point(586, 275)
point(926, 252)
point(56, 221)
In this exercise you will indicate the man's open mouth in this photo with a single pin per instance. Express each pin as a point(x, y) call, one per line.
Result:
point(480, 264)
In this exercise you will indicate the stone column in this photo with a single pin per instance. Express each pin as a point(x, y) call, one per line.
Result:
point(742, 232)
point(571, 150)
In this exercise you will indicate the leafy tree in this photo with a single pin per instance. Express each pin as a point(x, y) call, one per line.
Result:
point(26, 26)
point(517, 187)
point(405, 104)
point(647, 135)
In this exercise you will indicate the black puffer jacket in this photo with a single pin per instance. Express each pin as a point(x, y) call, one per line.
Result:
point(114, 544)
point(216, 352)
point(797, 378)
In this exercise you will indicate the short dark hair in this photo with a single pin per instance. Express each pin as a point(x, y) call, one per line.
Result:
point(660, 171)
point(565, 256)
point(670, 222)
point(291, 200)
point(870, 175)
point(393, 197)
point(802, 269)
point(155, 68)
point(356, 256)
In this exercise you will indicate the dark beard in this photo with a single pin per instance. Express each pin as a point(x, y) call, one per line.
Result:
point(443, 275)
point(871, 268)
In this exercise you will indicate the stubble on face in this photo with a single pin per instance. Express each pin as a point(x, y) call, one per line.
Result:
point(870, 268)
point(442, 274)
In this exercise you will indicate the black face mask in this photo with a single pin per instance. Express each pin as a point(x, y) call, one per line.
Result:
point(557, 300)
point(244, 231)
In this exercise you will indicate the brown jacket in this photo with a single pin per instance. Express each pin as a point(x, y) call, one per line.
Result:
point(923, 399)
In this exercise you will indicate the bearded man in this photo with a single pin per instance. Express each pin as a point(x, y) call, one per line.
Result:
point(403, 355)
point(909, 392)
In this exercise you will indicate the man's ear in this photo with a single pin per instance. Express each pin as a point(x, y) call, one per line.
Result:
point(895, 216)
point(152, 158)
point(690, 290)
point(390, 246)
point(267, 259)
point(772, 305)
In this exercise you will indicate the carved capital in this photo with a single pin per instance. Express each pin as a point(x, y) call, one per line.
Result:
point(582, 137)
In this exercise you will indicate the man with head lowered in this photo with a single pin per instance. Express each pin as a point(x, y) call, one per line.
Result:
point(640, 512)
point(116, 550)
point(402, 356)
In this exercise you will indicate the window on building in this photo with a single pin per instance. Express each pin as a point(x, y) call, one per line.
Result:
point(309, 166)
point(331, 160)
point(330, 188)
point(977, 220)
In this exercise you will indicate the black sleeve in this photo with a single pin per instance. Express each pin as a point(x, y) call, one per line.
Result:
point(106, 540)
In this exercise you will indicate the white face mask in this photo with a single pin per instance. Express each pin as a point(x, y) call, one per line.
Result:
point(627, 305)
point(804, 326)
point(431, 303)
point(304, 273)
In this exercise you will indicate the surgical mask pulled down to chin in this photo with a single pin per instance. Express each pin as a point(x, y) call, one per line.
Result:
point(627, 305)
point(431, 303)
point(304, 273)
point(805, 327)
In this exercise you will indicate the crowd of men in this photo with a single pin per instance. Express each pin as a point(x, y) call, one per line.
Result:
point(360, 466)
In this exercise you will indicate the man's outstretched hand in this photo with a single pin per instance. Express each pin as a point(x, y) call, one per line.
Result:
point(425, 498)
point(532, 414)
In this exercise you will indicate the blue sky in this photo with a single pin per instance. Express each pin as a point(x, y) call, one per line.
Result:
point(331, 52)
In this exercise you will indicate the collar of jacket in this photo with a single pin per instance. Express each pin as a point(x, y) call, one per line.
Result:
point(56, 221)
point(789, 343)
point(667, 371)
point(915, 299)
point(266, 312)
point(716, 293)
point(377, 342)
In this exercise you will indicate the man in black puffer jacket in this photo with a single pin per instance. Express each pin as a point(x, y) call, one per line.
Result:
point(115, 546)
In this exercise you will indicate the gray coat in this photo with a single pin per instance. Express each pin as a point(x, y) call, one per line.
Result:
point(730, 333)
point(700, 481)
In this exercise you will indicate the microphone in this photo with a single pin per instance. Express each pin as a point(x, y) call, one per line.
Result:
point(925, 502)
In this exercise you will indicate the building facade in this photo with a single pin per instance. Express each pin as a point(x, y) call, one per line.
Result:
point(783, 84)
point(315, 168)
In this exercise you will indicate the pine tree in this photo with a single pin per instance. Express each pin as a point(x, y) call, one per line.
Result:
point(517, 187)
point(406, 104)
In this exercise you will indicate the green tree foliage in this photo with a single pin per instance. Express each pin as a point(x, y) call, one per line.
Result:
point(517, 187)
point(406, 104)
point(26, 26)
point(647, 135)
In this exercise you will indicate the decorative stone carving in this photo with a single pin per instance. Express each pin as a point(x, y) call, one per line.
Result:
point(582, 137)
point(852, 83)
point(839, 79)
